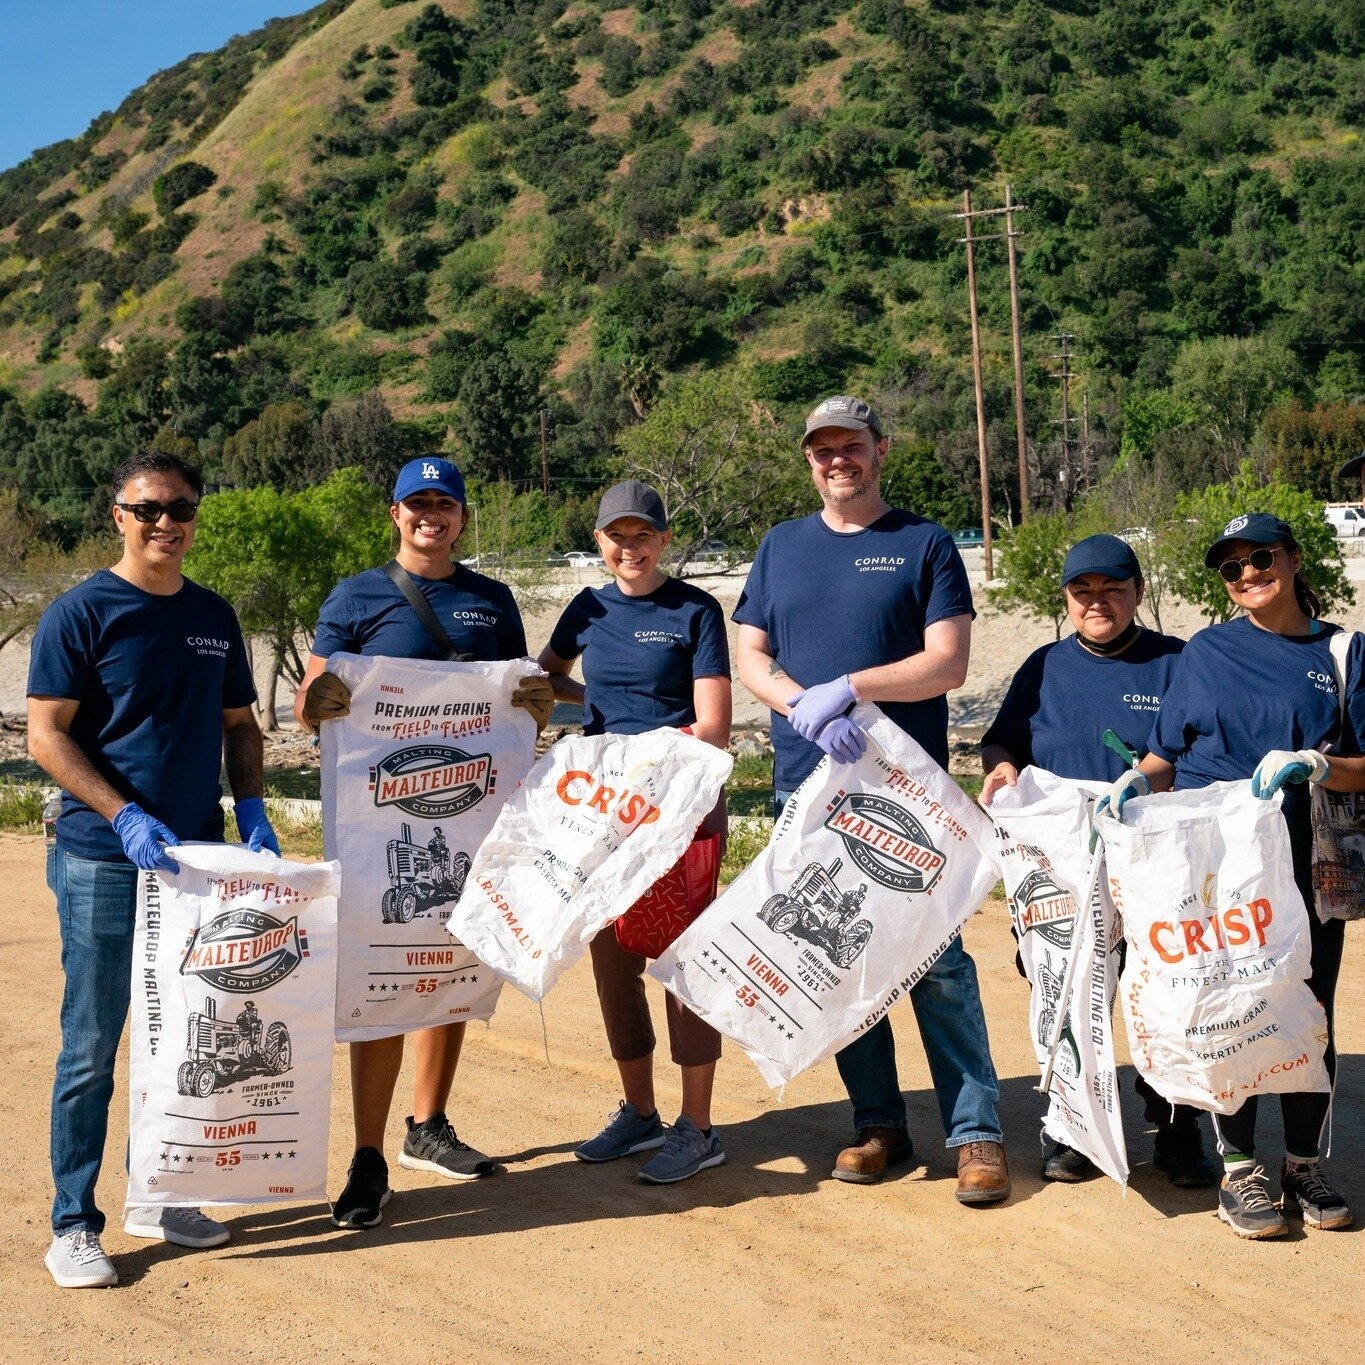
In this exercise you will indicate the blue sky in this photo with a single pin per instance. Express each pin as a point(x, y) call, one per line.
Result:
point(64, 61)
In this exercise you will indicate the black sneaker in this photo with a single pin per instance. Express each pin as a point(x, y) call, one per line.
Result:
point(1067, 1165)
point(433, 1146)
point(1322, 1207)
point(1180, 1153)
point(366, 1193)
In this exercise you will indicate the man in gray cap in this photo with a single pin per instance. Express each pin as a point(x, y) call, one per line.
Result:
point(863, 602)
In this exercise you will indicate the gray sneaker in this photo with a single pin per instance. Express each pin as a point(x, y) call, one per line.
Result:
point(625, 1134)
point(180, 1227)
point(1306, 1186)
point(1244, 1205)
point(77, 1261)
point(686, 1151)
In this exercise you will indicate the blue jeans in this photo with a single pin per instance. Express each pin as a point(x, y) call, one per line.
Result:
point(952, 1027)
point(96, 907)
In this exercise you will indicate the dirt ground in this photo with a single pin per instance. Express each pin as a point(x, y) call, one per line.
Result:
point(764, 1259)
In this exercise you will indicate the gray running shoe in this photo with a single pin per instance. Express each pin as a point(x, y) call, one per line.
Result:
point(625, 1134)
point(75, 1260)
point(1244, 1205)
point(181, 1227)
point(1322, 1207)
point(686, 1151)
point(434, 1146)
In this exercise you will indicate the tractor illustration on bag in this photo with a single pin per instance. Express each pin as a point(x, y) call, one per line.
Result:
point(421, 876)
point(816, 910)
point(222, 1051)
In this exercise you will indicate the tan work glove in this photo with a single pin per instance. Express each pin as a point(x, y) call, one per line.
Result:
point(535, 695)
point(328, 698)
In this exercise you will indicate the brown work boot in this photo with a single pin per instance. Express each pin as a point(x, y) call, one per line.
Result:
point(874, 1150)
point(982, 1175)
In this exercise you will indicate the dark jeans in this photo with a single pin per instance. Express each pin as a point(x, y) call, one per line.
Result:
point(96, 908)
point(952, 1026)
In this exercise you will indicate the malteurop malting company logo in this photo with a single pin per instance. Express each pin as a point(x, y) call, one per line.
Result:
point(886, 841)
point(432, 781)
point(245, 951)
point(1041, 905)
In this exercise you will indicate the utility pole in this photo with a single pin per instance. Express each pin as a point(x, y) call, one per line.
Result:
point(1011, 208)
point(1064, 340)
point(967, 215)
point(544, 458)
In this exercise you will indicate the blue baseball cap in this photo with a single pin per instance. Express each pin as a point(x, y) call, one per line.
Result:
point(429, 471)
point(1107, 555)
point(1260, 528)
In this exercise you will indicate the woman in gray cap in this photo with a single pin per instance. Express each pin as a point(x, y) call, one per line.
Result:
point(654, 654)
point(1256, 697)
point(1109, 675)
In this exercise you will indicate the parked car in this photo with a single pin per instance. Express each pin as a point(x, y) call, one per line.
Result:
point(582, 559)
point(1135, 535)
point(1346, 519)
point(969, 538)
point(710, 552)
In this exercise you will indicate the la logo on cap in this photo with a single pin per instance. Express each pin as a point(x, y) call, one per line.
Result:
point(429, 470)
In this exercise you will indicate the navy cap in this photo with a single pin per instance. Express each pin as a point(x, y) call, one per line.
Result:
point(1353, 468)
point(1260, 528)
point(631, 499)
point(429, 472)
point(1107, 555)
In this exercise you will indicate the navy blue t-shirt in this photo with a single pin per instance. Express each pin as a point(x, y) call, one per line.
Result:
point(153, 676)
point(367, 615)
point(1064, 698)
point(834, 602)
point(1240, 691)
point(641, 654)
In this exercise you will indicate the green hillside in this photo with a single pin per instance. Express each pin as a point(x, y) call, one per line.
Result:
point(384, 226)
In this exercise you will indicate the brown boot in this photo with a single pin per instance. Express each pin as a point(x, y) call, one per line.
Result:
point(875, 1149)
point(982, 1175)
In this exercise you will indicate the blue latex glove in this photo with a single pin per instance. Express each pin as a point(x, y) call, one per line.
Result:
point(253, 826)
point(143, 839)
point(814, 708)
point(1286, 765)
point(1131, 784)
point(843, 741)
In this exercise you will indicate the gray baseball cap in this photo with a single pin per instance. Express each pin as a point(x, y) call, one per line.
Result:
point(842, 411)
point(631, 499)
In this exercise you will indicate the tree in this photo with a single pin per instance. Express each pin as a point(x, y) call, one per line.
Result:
point(1031, 559)
point(183, 182)
point(274, 449)
point(1309, 445)
point(724, 468)
point(1202, 515)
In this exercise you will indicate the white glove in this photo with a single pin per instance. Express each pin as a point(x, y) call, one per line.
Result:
point(1286, 765)
point(1131, 784)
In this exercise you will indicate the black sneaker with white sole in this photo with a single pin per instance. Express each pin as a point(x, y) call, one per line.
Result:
point(434, 1146)
point(367, 1191)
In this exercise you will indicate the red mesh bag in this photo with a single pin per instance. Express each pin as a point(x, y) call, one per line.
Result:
point(674, 901)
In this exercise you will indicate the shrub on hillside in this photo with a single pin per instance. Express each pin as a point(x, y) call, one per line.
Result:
point(181, 183)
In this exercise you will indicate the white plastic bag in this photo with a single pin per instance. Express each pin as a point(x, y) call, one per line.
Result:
point(870, 874)
point(1042, 826)
point(1213, 993)
point(234, 979)
point(599, 819)
point(412, 781)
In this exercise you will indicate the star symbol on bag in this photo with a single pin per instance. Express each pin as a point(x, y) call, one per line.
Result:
point(279, 1156)
point(372, 985)
point(265, 1156)
point(473, 978)
point(292, 1155)
point(383, 988)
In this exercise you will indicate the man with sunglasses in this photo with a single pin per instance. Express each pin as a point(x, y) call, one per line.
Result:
point(139, 688)
point(864, 602)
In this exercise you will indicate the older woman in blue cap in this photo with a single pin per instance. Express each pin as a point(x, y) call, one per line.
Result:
point(1256, 697)
point(1109, 675)
point(373, 614)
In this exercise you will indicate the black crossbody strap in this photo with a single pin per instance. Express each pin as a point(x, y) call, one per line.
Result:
point(402, 580)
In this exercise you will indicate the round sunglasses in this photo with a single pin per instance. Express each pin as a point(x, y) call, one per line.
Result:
point(1260, 560)
point(181, 510)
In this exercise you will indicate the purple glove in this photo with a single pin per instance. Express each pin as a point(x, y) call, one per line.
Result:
point(253, 826)
point(843, 741)
point(814, 708)
point(143, 839)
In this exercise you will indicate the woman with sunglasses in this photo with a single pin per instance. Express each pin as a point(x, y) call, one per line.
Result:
point(1256, 697)
point(654, 654)
point(370, 614)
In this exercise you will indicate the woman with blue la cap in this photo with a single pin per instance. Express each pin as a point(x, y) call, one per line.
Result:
point(1109, 675)
point(1256, 697)
point(422, 605)
point(654, 654)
